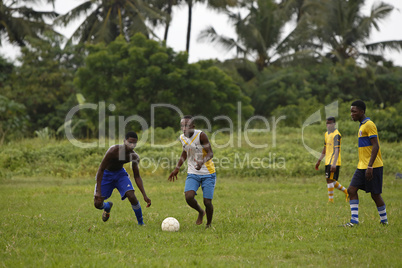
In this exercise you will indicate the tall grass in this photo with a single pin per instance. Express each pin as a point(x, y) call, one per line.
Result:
point(283, 154)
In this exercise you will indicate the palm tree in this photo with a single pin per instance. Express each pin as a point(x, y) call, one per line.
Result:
point(17, 21)
point(213, 4)
point(165, 6)
point(258, 34)
point(340, 25)
point(108, 19)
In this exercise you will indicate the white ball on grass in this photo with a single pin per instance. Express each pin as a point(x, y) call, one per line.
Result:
point(170, 224)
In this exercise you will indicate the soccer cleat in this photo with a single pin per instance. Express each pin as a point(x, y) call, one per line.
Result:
point(384, 223)
point(347, 198)
point(106, 215)
point(349, 224)
point(330, 200)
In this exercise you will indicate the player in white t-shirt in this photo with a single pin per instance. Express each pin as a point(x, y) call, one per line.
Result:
point(201, 170)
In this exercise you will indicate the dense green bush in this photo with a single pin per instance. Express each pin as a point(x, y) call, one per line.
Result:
point(134, 76)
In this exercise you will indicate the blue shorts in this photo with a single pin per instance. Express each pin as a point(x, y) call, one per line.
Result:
point(207, 183)
point(115, 179)
point(374, 186)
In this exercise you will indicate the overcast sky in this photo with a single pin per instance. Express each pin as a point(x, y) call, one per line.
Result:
point(391, 29)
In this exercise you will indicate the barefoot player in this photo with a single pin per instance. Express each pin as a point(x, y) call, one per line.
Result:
point(201, 170)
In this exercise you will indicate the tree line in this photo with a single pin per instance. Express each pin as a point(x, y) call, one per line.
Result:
point(115, 57)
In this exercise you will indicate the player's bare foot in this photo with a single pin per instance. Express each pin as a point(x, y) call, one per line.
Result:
point(200, 217)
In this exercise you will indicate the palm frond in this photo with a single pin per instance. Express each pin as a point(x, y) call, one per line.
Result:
point(372, 57)
point(210, 35)
point(31, 14)
point(393, 45)
point(75, 13)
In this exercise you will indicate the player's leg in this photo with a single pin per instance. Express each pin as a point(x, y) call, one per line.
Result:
point(380, 208)
point(376, 191)
point(330, 183)
point(126, 189)
point(354, 204)
point(107, 186)
point(135, 205)
point(208, 188)
point(192, 202)
point(378, 200)
point(193, 182)
point(330, 186)
point(98, 202)
point(357, 182)
point(209, 209)
point(339, 186)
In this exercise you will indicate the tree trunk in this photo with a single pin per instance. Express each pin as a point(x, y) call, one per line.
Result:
point(190, 13)
point(169, 11)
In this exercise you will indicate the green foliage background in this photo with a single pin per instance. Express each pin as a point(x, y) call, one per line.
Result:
point(129, 77)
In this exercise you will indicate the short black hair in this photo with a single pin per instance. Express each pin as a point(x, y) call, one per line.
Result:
point(131, 134)
point(187, 117)
point(331, 118)
point(190, 117)
point(359, 104)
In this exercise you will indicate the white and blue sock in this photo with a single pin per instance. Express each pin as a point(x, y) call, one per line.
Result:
point(138, 213)
point(354, 209)
point(383, 213)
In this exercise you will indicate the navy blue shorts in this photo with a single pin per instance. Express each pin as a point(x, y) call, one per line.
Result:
point(374, 186)
point(115, 179)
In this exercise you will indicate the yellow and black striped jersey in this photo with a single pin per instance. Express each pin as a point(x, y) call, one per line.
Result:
point(332, 141)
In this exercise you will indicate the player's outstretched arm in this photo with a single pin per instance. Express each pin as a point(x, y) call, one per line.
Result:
point(174, 173)
point(138, 180)
point(319, 159)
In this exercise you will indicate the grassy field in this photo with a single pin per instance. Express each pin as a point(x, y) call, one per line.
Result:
point(270, 208)
point(258, 222)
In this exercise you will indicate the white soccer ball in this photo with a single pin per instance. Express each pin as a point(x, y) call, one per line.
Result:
point(170, 224)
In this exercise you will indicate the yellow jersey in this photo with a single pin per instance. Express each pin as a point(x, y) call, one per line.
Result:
point(332, 141)
point(367, 131)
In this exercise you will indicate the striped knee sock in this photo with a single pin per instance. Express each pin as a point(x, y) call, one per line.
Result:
point(330, 192)
point(383, 213)
point(354, 209)
point(340, 187)
point(138, 213)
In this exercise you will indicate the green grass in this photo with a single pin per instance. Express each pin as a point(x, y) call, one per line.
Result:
point(264, 217)
point(258, 222)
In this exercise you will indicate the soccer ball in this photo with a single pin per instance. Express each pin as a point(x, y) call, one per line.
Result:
point(170, 224)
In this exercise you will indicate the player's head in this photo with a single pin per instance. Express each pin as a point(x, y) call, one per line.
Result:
point(131, 139)
point(331, 123)
point(358, 110)
point(187, 125)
